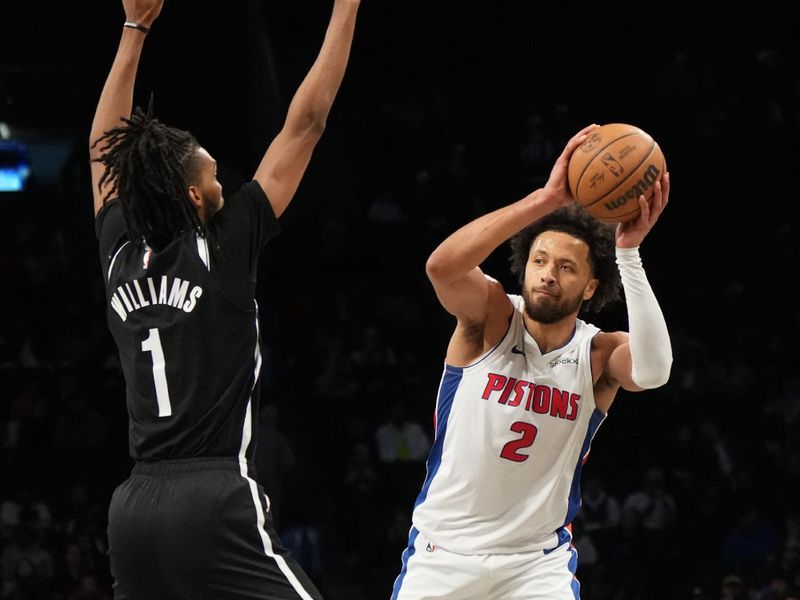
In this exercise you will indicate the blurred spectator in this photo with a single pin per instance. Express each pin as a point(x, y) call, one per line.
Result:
point(26, 565)
point(400, 439)
point(25, 583)
point(22, 510)
point(630, 558)
point(750, 544)
point(599, 514)
point(715, 458)
point(327, 358)
point(360, 504)
point(698, 593)
point(360, 479)
point(733, 588)
point(653, 503)
point(69, 571)
point(274, 460)
point(776, 589)
point(29, 415)
point(81, 512)
point(303, 543)
point(89, 588)
point(385, 209)
point(78, 427)
point(584, 545)
point(372, 362)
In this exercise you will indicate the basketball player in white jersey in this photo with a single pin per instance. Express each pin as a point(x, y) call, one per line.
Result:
point(526, 384)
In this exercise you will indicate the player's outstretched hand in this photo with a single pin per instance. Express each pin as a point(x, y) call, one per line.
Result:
point(631, 233)
point(143, 12)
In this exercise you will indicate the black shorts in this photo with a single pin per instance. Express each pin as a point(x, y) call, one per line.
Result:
point(198, 529)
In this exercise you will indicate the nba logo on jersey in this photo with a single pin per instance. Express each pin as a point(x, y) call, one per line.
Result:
point(146, 258)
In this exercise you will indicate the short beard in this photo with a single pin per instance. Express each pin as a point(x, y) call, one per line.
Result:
point(550, 312)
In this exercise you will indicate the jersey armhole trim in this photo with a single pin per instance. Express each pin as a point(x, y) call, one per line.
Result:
point(113, 260)
point(591, 373)
point(202, 251)
point(466, 369)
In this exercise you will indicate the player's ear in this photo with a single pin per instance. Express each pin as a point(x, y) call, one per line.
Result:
point(590, 288)
point(195, 197)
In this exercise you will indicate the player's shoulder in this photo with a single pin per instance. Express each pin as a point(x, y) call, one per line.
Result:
point(613, 338)
point(605, 342)
point(250, 196)
point(249, 190)
point(496, 289)
point(502, 304)
point(109, 212)
point(110, 229)
point(249, 204)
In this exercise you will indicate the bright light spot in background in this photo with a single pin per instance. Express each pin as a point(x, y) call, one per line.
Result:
point(14, 166)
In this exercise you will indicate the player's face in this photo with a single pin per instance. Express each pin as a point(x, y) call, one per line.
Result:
point(558, 277)
point(208, 189)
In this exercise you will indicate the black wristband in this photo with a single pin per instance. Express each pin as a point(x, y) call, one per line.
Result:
point(138, 26)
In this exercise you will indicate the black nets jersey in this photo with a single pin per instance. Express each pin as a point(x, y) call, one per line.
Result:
point(185, 322)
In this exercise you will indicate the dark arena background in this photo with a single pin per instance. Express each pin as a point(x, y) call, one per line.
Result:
point(448, 110)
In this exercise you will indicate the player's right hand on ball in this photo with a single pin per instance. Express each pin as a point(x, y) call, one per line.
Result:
point(557, 186)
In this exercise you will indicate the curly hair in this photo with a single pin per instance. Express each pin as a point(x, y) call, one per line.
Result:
point(149, 166)
point(575, 221)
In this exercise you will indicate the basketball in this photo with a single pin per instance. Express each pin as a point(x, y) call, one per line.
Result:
point(612, 168)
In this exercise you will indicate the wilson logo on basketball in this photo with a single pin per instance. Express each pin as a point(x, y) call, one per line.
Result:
point(649, 178)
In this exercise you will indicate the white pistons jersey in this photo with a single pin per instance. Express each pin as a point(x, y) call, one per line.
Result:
point(512, 432)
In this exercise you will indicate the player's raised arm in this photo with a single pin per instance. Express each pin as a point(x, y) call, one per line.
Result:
point(453, 267)
point(645, 361)
point(288, 155)
point(116, 98)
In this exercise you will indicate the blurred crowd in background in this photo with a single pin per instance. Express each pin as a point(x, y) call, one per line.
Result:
point(692, 491)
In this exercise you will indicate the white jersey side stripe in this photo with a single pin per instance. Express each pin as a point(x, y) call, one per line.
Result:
point(247, 434)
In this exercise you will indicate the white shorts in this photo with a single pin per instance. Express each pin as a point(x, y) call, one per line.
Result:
point(430, 572)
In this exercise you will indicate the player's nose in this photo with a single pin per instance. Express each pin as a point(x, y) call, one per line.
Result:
point(548, 274)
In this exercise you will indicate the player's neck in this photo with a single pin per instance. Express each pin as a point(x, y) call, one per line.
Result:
point(551, 336)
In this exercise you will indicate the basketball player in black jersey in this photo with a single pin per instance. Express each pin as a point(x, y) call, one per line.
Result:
point(180, 264)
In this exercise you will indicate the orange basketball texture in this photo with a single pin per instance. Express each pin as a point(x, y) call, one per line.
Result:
point(612, 168)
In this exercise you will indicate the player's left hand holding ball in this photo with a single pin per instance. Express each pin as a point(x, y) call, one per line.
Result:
point(631, 233)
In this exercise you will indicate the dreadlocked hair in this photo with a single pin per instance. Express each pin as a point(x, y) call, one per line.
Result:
point(149, 167)
point(575, 221)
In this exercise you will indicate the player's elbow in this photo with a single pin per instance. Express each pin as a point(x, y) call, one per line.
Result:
point(653, 377)
point(435, 268)
point(317, 124)
point(308, 123)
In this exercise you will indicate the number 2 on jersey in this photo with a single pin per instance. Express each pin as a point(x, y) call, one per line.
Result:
point(511, 449)
point(153, 345)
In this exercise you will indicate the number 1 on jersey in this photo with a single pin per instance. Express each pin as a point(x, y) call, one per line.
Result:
point(153, 345)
